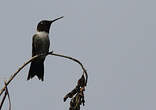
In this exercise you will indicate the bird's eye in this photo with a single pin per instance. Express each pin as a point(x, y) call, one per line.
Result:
point(41, 22)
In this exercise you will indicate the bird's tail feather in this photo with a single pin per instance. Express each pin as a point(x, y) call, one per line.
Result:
point(36, 68)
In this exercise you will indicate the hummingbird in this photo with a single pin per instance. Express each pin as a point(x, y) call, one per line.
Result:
point(40, 45)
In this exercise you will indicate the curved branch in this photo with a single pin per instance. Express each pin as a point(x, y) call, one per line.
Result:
point(36, 56)
point(13, 76)
point(73, 59)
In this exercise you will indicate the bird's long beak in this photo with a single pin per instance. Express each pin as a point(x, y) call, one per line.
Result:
point(56, 19)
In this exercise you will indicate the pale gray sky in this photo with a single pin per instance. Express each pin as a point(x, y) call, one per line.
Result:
point(115, 40)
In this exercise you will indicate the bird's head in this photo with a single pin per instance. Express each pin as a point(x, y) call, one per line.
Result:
point(44, 25)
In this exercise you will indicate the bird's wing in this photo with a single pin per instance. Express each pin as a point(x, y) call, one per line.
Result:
point(40, 45)
point(34, 45)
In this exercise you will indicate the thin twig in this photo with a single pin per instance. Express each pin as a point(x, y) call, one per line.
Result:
point(81, 82)
point(77, 61)
point(13, 76)
point(3, 100)
point(8, 96)
point(36, 56)
point(78, 99)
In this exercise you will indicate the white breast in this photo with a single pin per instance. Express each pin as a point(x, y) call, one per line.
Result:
point(42, 34)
